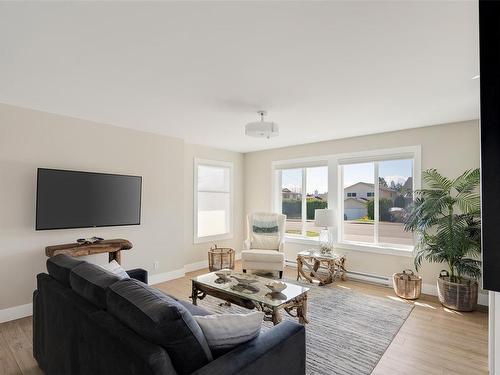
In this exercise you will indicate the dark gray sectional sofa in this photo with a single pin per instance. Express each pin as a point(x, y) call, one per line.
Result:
point(88, 321)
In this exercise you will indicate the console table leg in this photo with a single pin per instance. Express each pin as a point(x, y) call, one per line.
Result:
point(194, 295)
point(116, 255)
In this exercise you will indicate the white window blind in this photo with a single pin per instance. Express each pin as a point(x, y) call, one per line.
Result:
point(213, 198)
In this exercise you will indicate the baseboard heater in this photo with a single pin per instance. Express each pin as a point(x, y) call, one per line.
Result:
point(361, 276)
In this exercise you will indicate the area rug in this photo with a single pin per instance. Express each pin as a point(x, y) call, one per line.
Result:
point(348, 331)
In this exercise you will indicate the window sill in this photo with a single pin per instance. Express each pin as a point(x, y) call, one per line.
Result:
point(406, 251)
point(219, 237)
point(353, 246)
point(302, 240)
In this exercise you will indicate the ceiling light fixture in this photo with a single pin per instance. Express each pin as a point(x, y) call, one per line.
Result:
point(475, 77)
point(262, 129)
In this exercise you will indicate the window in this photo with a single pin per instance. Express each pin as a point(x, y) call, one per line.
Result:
point(378, 218)
point(301, 192)
point(369, 193)
point(213, 200)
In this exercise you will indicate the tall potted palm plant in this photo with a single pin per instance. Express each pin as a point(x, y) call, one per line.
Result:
point(446, 218)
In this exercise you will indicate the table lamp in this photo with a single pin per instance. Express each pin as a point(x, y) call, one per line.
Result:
point(325, 218)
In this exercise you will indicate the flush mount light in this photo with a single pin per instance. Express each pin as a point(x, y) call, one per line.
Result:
point(475, 77)
point(262, 129)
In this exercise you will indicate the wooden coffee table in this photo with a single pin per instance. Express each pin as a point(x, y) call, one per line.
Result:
point(250, 291)
point(325, 268)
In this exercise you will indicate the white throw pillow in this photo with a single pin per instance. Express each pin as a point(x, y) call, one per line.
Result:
point(265, 241)
point(115, 268)
point(225, 331)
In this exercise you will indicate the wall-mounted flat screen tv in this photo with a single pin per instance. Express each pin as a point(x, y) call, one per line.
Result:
point(73, 199)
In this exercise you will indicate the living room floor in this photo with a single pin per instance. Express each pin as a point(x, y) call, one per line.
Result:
point(433, 340)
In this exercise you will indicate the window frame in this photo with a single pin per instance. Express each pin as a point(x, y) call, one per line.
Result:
point(277, 201)
point(212, 163)
point(335, 191)
point(376, 198)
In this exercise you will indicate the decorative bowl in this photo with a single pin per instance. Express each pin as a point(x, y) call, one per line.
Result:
point(276, 286)
point(244, 280)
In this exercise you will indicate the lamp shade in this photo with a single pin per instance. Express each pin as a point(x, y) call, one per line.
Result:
point(324, 218)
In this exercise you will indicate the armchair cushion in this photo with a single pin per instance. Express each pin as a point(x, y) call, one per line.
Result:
point(265, 241)
point(263, 255)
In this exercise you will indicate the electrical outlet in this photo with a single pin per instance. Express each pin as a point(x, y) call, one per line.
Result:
point(156, 265)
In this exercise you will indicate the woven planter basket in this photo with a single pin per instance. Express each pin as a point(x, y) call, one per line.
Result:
point(457, 296)
point(407, 285)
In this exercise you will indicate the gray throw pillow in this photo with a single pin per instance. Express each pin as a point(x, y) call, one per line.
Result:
point(225, 331)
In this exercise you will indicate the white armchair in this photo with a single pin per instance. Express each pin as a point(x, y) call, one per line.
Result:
point(263, 249)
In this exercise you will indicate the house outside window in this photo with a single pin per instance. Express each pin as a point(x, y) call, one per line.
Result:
point(213, 200)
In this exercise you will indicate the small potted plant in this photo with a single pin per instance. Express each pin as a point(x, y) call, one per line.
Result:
point(446, 218)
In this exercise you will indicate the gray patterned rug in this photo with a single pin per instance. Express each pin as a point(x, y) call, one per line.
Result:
point(348, 331)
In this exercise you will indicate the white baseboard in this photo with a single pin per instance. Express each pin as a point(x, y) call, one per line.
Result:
point(430, 289)
point(196, 266)
point(16, 312)
point(165, 276)
point(175, 274)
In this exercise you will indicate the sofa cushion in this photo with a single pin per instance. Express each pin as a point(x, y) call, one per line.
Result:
point(60, 266)
point(261, 255)
point(91, 281)
point(161, 320)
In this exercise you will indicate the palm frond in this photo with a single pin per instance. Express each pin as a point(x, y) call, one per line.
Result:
point(468, 181)
point(436, 181)
point(468, 202)
point(469, 267)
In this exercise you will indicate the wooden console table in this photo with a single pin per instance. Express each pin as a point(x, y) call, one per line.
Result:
point(309, 264)
point(113, 247)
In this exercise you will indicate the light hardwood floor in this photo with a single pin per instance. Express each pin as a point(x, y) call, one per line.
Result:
point(433, 340)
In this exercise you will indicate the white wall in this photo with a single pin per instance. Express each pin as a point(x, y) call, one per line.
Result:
point(451, 148)
point(30, 139)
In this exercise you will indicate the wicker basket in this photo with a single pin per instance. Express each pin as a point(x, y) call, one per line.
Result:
point(457, 296)
point(407, 285)
point(220, 258)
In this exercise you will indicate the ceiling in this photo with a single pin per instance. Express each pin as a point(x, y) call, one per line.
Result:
point(200, 71)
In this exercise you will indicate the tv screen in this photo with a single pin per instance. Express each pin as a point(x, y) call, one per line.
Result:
point(73, 199)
